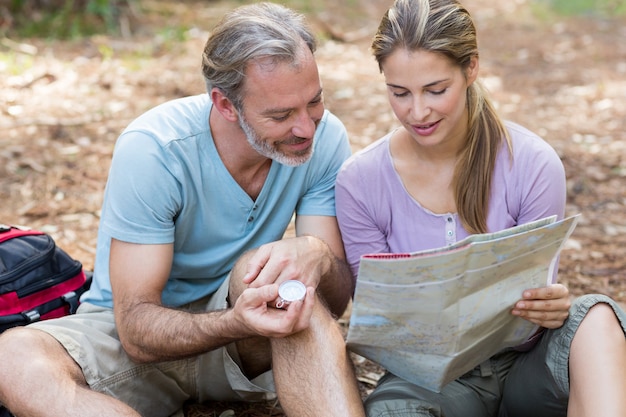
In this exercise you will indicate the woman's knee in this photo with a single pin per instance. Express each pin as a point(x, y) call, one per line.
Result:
point(401, 407)
point(602, 320)
point(395, 397)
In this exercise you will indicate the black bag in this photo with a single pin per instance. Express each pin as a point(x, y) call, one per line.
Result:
point(38, 280)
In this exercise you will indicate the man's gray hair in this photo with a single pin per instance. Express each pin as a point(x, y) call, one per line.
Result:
point(247, 33)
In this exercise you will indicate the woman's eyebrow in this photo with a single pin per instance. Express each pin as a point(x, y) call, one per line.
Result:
point(434, 83)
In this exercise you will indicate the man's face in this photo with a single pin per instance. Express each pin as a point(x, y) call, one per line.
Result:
point(282, 107)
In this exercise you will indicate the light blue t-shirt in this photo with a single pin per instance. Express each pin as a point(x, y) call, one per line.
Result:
point(168, 184)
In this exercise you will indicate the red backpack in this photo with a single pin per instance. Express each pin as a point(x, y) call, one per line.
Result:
point(38, 280)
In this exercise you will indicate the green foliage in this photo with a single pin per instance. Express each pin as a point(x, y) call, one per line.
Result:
point(310, 6)
point(105, 10)
point(598, 8)
point(63, 19)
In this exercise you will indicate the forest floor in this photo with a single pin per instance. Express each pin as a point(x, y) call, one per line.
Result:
point(63, 104)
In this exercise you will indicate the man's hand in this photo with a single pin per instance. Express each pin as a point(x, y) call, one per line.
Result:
point(315, 257)
point(547, 307)
point(252, 311)
point(304, 258)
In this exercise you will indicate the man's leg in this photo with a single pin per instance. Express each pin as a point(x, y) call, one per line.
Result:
point(39, 378)
point(312, 370)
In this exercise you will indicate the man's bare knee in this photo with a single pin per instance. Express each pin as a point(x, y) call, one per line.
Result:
point(239, 269)
point(34, 362)
point(236, 285)
point(36, 352)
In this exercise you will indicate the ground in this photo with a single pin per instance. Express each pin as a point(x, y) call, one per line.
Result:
point(63, 104)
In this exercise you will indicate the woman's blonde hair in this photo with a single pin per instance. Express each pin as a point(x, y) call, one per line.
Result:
point(446, 27)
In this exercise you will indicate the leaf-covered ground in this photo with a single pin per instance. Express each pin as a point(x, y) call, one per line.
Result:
point(62, 105)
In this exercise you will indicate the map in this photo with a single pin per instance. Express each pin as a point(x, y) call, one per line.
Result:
point(429, 317)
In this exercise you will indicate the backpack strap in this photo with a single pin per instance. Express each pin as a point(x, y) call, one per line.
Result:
point(9, 232)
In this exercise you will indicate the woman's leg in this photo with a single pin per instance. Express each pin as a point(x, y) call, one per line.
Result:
point(584, 351)
point(597, 366)
point(476, 394)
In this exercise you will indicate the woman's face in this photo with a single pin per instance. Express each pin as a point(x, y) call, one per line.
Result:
point(427, 93)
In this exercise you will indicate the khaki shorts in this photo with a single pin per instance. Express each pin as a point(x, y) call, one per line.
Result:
point(156, 389)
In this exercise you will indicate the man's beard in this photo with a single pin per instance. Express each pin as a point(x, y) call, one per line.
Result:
point(265, 148)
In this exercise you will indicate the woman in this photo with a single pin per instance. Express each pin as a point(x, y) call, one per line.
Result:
point(452, 169)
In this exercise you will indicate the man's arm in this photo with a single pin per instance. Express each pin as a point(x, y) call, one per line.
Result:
point(337, 284)
point(151, 332)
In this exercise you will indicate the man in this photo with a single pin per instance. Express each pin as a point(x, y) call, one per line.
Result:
point(190, 255)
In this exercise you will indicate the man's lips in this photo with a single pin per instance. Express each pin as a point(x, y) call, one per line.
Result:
point(297, 143)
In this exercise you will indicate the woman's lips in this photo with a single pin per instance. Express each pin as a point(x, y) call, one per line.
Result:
point(425, 129)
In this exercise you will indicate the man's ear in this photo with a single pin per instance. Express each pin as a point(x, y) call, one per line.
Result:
point(223, 105)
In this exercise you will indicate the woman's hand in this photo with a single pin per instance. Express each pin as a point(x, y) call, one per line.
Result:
point(547, 307)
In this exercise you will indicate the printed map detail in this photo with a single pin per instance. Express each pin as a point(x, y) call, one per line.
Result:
point(429, 317)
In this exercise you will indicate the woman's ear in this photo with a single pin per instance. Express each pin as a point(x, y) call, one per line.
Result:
point(471, 73)
point(223, 105)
